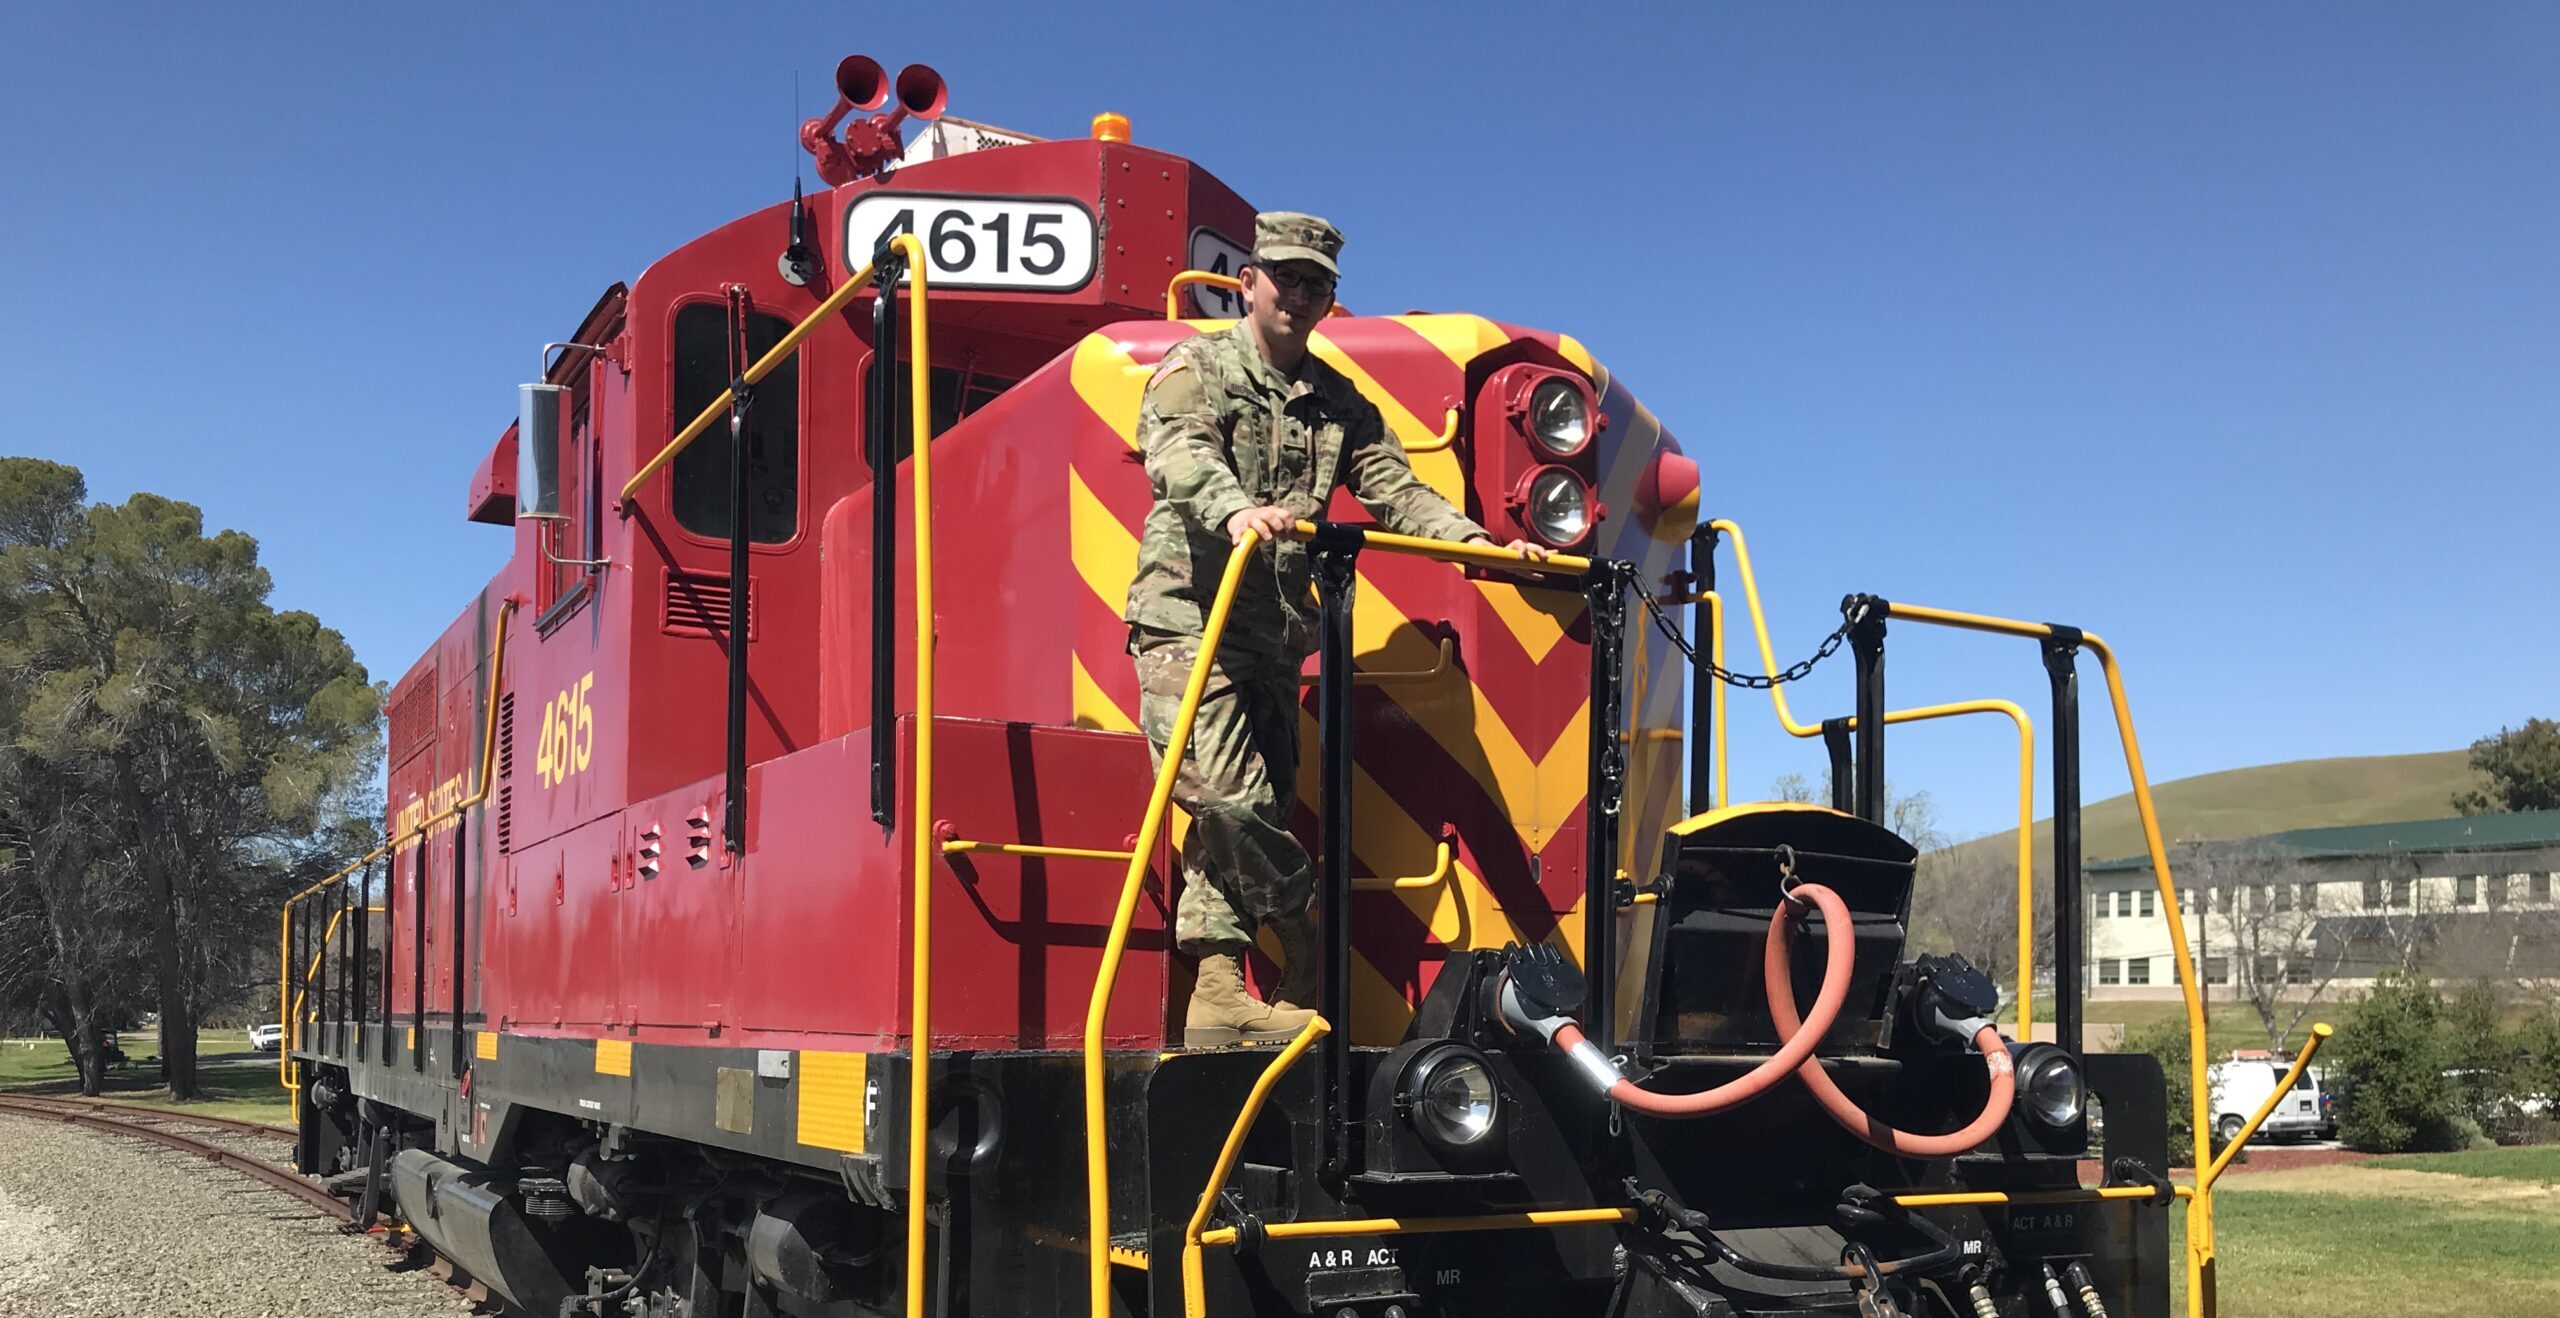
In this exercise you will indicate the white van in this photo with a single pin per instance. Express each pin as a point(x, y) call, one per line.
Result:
point(2240, 1087)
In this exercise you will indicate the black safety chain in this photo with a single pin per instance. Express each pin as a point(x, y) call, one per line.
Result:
point(1851, 611)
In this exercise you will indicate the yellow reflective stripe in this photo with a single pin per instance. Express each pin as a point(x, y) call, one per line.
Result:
point(832, 1093)
point(613, 1057)
point(485, 1045)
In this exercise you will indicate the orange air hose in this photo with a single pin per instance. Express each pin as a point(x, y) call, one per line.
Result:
point(1841, 943)
point(1857, 1121)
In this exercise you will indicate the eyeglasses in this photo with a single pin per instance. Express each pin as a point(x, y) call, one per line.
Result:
point(1295, 281)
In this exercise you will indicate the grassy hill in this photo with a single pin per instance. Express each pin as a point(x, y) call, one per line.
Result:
point(2265, 798)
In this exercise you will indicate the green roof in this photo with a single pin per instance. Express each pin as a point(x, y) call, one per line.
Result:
point(2508, 832)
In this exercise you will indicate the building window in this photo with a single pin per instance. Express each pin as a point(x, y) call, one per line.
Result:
point(2124, 902)
point(2466, 890)
point(2296, 972)
point(2284, 896)
point(2137, 970)
point(2399, 894)
point(2262, 970)
point(2217, 970)
point(2539, 887)
point(700, 486)
point(2148, 906)
point(2373, 894)
point(2204, 900)
point(2110, 970)
point(2311, 897)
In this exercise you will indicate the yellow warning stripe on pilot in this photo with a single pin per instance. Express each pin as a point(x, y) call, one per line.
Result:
point(833, 1093)
point(613, 1057)
point(484, 1045)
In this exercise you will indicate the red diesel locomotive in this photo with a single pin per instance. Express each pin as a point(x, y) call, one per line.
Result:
point(741, 950)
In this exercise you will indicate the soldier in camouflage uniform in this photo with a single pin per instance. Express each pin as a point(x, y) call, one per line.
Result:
point(1244, 429)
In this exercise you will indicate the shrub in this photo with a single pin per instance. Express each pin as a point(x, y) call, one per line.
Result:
point(2393, 1052)
point(2168, 1042)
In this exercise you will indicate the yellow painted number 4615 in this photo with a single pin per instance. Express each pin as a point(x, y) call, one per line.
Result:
point(568, 735)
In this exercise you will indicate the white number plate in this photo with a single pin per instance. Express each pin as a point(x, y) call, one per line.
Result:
point(1215, 252)
point(1041, 244)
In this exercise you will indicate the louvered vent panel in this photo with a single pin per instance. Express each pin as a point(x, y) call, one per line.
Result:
point(506, 770)
point(698, 605)
point(413, 718)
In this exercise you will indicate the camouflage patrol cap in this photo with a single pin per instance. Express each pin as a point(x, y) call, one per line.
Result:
point(1291, 236)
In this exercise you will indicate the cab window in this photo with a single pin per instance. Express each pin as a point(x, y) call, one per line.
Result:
point(701, 473)
point(956, 393)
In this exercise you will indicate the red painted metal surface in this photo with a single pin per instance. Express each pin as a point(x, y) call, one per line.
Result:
point(607, 904)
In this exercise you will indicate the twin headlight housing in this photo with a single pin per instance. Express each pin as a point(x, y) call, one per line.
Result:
point(1535, 427)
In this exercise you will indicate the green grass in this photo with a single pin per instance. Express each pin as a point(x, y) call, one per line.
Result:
point(2537, 1165)
point(2264, 798)
point(42, 1067)
point(2344, 1240)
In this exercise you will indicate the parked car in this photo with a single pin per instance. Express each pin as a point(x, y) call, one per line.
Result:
point(266, 1038)
point(2241, 1087)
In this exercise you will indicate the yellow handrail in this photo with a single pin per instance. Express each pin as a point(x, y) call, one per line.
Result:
point(303, 991)
point(959, 845)
point(1169, 764)
point(1439, 667)
point(1448, 435)
point(1416, 1226)
point(2320, 1033)
point(1715, 699)
point(1194, 1302)
point(920, 930)
point(1173, 293)
point(763, 366)
point(288, 1074)
point(2026, 763)
point(1467, 555)
point(1439, 874)
point(1985, 1198)
point(1097, 1160)
point(2200, 1254)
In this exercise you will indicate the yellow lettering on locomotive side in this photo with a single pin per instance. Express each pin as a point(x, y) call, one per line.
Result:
point(567, 742)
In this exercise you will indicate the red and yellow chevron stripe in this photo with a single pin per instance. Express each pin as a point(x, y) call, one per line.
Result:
point(1495, 750)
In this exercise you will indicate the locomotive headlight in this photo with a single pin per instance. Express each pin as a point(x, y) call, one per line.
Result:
point(1449, 1097)
point(1557, 506)
point(1559, 417)
point(2049, 1086)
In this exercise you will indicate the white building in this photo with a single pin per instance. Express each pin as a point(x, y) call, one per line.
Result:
point(2322, 910)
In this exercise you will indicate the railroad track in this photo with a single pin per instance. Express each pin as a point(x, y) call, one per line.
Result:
point(152, 1124)
point(158, 1126)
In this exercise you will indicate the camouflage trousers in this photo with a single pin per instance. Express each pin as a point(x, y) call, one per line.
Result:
point(1240, 863)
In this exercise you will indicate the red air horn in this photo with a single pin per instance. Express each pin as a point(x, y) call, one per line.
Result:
point(870, 144)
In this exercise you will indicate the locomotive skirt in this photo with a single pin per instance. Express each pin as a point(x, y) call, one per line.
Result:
point(1240, 863)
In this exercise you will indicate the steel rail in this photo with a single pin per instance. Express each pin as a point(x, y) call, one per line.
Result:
point(277, 1177)
point(101, 1107)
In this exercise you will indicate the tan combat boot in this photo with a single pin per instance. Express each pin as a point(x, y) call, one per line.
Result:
point(1301, 964)
point(1223, 1013)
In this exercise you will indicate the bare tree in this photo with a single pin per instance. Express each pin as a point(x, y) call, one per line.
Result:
point(2259, 916)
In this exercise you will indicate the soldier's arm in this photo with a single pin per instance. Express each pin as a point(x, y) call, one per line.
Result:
point(1382, 478)
point(1186, 456)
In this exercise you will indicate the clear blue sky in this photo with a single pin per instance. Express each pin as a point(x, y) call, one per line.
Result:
point(2232, 332)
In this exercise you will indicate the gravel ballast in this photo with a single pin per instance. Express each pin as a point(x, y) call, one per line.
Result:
point(94, 1226)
